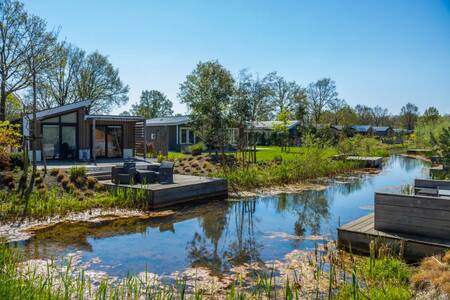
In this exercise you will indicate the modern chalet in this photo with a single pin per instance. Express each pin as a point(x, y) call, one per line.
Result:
point(69, 132)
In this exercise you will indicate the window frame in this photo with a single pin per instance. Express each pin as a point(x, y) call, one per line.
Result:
point(186, 136)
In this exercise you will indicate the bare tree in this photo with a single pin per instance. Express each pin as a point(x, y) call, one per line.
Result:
point(320, 94)
point(57, 84)
point(283, 92)
point(409, 114)
point(364, 113)
point(250, 104)
point(380, 115)
point(14, 51)
point(335, 107)
point(38, 60)
point(98, 81)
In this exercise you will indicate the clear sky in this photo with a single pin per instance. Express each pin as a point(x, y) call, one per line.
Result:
point(379, 52)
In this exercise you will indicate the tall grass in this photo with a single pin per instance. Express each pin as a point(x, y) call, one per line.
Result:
point(314, 162)
point(372, 278)
point(58, 202)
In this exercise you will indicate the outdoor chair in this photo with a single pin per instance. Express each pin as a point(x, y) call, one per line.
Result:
point(165, 172)
point(145, 176)
point(123, 175)
point(153, 167)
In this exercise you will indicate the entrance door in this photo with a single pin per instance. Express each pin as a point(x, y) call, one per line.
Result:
point(108, 141)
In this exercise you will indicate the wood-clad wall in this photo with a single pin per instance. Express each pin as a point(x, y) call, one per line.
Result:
point(412, 214)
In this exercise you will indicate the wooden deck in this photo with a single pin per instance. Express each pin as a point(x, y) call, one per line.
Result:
point(368, 162)
point(357, 235)
point(184, 189)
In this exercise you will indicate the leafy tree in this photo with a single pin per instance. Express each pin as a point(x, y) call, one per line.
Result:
point(13, 107)
point(207, 92)
point(153, 104)
point(281, 129)
point(15, 49)
point(409, 114)
point(98, 81)
point(125, 113)
point(320, 94)
point(431, 114)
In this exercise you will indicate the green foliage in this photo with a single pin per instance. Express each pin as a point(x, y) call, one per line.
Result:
point(152, 104)
point(388, 292)
point(363, 146)
point(197, 149)
point(9, 138)
point(425, 131)
point(77, 172)
point(207, 92)
point(311, 163)
point(16, 160)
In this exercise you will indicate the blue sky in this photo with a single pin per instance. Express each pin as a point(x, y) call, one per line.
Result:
point(379, 52)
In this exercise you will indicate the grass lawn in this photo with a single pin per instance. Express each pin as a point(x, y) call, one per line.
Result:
point(269, 153)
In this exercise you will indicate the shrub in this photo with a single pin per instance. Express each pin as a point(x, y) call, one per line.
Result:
point(54, 172)
point(70, 187)
point(80, 181)
point(77, 172)
point(38, 180)
point(197, 149)
point(16, 160)
point(160, 158)
point(9, 138)
point(99, 187)
point(91, 181)
point(61, 175)
point(65, 181)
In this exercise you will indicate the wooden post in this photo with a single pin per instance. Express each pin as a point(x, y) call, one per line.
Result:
point(145, 141)
point(93, 141)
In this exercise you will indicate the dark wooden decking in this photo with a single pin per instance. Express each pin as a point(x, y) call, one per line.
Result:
point(184, 189)
point(357, 235)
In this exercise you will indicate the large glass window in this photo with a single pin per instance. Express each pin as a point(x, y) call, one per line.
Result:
point(114, 139)
point(50, 141)
point(108, 141)
point(100, 141)
point(187, 136)
point(59, 137)
point(68, 142)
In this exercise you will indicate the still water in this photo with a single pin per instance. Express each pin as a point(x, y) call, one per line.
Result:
point(221, 234)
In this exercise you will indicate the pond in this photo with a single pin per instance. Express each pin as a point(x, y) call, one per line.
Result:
point(219, 235)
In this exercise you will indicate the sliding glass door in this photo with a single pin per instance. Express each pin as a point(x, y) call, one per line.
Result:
point(108, 141)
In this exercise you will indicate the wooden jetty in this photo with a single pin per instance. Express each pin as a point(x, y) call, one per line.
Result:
point(185, 188)
point(368, 162)
point(357, 235)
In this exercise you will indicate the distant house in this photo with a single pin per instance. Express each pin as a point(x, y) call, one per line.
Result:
point(382, 131)
point(265, 131)
point(362, 129)
point(70, 132)
point(175, 133)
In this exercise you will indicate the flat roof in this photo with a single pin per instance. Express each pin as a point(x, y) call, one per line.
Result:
point(166, 121)
point(114, 118)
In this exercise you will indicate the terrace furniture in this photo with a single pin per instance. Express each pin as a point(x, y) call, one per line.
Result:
point(153, 167)
point(165, 172)
point(145, 176)
point(123, 175)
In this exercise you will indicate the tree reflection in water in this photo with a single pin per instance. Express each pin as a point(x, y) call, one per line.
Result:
point(311, 207)
point(238, 241)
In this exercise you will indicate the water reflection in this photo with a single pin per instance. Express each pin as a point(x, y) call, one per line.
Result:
point(219, 235)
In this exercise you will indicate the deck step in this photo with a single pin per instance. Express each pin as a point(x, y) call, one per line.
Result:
point(100, 175)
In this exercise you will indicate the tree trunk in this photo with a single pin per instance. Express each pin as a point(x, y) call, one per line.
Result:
point(3, 100)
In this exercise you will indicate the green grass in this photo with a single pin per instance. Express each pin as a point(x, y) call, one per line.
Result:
point(308, 164)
